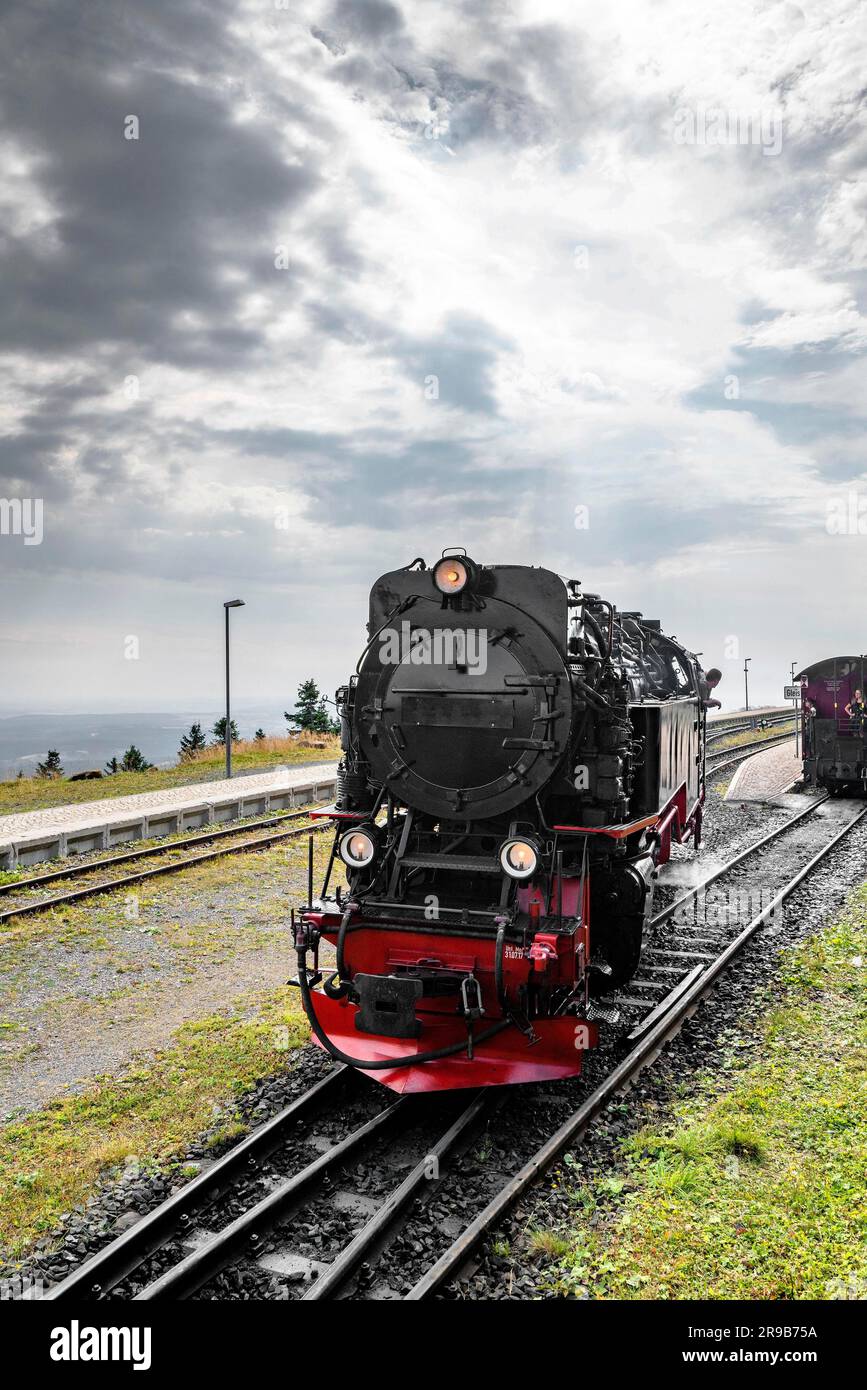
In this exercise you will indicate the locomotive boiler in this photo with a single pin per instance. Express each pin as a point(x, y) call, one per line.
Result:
point(518, 756)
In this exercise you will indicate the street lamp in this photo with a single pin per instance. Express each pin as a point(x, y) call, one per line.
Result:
point(747, 660)
point(230, 603)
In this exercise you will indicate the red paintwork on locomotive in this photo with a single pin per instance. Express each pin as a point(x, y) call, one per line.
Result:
point(555, 959)
point(504, 1060)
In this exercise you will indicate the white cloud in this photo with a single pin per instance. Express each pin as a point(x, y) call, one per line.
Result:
point(581, 284)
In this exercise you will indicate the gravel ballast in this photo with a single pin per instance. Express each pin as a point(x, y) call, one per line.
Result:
point(523, 1120)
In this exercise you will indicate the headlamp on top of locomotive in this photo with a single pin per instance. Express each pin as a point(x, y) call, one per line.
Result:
point(500, 822)
point(455, 574)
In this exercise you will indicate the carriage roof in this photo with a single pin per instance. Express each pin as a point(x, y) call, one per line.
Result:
point(831, 665)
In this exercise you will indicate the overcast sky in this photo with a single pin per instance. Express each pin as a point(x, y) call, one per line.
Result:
point(363, 280)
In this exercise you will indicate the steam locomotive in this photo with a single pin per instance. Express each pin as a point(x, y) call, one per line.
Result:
point(518, 757)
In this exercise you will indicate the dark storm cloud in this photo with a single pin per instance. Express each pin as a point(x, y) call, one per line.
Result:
point(769, 383)
point(490, 98)
point(793, 422)
point(457, 361)
point(179, 221)
point(461, 358)
point(367, 20)
point(44, 427)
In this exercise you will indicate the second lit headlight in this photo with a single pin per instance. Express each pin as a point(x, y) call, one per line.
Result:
point(519, 858)
point(357, 848)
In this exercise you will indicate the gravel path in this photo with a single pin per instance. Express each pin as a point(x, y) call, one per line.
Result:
point(85, 988)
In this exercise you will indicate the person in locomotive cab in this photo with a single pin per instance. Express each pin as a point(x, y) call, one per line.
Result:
point(857, 710)
point(708, 682)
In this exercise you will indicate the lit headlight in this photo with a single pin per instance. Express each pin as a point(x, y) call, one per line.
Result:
point(450, 575)
point(357, 849)
point(519, 858)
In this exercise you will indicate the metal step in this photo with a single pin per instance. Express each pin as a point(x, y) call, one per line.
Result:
point(464, 863)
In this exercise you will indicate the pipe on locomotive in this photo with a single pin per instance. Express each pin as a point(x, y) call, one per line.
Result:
point(386, 1063)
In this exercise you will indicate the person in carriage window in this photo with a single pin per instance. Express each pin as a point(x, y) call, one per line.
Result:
point(857, 711)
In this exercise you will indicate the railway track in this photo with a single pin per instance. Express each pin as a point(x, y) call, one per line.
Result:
point(238, 838)
point(728, 731)
point(654, 1029)
point(323, 1194)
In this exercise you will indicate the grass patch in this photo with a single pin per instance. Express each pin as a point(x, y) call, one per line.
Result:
point(36, 793)
point(52, 1159)
point(754, 1191)
point(750, 736)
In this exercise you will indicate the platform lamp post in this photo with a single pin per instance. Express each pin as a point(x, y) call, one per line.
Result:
point(794, 668)
point(230, 603)
point(747, 660)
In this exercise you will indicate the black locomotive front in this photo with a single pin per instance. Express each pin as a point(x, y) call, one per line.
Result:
point(506, 741)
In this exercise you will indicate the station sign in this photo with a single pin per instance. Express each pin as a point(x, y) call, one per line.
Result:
point(791, 692)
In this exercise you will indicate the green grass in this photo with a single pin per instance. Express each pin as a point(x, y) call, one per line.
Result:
point(751, 736)
point(756, 1189)
point(36, 793)
point(52, 1159)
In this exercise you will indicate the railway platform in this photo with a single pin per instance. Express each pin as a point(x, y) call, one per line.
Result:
point(30, 837)
point(766, 775)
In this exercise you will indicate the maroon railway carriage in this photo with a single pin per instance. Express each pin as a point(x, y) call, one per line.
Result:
point(834, 741)
point(518, 757)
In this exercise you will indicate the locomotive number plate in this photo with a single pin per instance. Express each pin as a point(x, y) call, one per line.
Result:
point(458, 711)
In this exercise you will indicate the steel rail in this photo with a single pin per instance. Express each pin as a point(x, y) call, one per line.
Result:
point(340, 1270)
point(109, 1266)
point(176, 866)
point(204, 1263)
point(645, 1052)
point(730, 864)
point(93, 866)
point(728, 733)
point(739, 721)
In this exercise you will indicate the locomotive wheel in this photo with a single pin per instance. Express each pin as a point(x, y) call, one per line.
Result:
point(619, 944)
point(620, 908)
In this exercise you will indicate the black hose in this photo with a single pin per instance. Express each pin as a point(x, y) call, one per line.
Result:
point(341, 941)
point(499, 947)
point(385, 1063)
point(592, 696)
